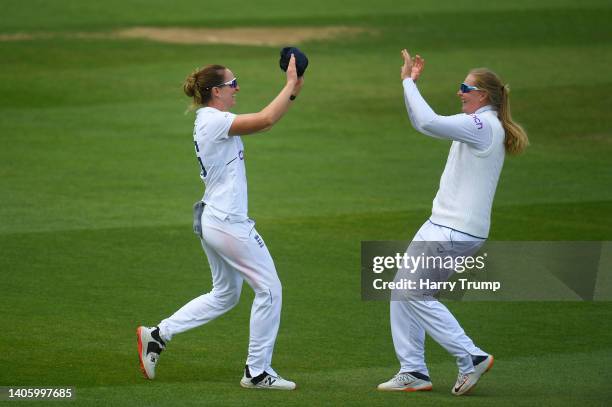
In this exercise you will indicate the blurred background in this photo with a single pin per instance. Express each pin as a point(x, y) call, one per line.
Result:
point(98, 176)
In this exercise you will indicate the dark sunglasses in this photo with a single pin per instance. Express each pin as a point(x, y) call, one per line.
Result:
point(465, 88)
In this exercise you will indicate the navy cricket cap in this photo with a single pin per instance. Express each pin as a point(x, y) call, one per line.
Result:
point(301, 61)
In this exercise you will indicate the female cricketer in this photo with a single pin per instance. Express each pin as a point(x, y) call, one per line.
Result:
point(235, 251)
point(459, 222)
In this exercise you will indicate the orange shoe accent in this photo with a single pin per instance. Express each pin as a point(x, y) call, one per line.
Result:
point(428, 388)
point(490, 364)
point(142, 369)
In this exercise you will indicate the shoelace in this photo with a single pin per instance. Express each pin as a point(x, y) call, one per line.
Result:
point(403, 378)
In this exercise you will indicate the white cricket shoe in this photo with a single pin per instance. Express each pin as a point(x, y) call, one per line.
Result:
point(466, 382)
point(407, 381)
point(150, 346)
point(265, 381)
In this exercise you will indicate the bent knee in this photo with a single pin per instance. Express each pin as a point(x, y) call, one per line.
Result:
point(276, 289)
point(228, 298)
point(272, 292)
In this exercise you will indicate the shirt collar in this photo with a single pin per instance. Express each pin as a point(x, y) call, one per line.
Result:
point(486, 109)
point(205, 108)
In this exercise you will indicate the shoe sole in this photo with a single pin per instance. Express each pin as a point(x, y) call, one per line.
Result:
point(489, 366)
point(409, 389)
point(252, 386)
point(139, 340)
point(412, 389)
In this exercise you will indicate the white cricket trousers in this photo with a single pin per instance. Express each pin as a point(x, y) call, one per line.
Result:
point(411, 319)
point(235, 252)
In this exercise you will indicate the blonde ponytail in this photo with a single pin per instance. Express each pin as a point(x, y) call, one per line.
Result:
point(516, 140)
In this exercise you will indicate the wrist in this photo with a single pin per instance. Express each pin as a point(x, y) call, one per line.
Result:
point(296, 91)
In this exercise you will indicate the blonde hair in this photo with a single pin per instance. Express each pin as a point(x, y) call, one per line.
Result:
point(516, 140)
point(198, 85)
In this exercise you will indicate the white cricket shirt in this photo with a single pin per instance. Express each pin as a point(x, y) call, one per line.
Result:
point(221, 160)
point(474, 163)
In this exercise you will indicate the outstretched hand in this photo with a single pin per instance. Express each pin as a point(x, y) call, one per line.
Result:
point(413, 67)
point(292, 77)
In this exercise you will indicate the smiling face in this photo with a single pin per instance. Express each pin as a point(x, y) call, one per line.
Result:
point(224, 97)
point(474, 99)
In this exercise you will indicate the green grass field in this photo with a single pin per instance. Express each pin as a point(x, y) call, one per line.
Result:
point(98, 175)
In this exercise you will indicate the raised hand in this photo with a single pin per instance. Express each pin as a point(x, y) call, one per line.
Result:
point(292, 77)
point(417, 67)
point(406, 70)
point(413, 67)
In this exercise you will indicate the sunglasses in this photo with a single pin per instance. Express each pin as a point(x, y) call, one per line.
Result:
point(232, 84)
point(465, 88)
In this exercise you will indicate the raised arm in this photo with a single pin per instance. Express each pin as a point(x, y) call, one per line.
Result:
point(460, 127)
point(251, 123)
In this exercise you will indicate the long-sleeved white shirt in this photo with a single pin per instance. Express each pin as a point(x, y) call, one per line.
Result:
point(221, 159)
point(474, 163)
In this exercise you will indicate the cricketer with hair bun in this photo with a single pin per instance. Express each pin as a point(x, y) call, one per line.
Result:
point(235, 251)
point(459, 222)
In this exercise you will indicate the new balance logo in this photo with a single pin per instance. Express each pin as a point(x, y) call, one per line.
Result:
point(259, 241)
point(269, 381)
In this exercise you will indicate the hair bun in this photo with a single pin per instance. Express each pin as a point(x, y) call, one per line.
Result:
point(189, 87)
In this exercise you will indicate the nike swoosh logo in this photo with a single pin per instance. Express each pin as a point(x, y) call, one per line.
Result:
point(460, 386)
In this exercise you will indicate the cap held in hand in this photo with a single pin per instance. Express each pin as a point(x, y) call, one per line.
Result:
point(301, 61)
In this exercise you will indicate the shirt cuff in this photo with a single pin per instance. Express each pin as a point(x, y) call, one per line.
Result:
point(407, 82)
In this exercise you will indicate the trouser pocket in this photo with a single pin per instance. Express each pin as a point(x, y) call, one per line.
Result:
point(198, 208)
